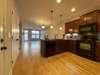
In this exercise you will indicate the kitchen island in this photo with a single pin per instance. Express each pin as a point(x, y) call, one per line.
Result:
point(52, 47)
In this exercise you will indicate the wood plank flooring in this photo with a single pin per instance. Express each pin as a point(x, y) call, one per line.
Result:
point(31, 63)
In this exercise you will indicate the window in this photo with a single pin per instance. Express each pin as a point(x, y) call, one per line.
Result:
point(35, 34)
point(26, 35)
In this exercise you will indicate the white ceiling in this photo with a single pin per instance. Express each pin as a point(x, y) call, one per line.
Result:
point(37, 12)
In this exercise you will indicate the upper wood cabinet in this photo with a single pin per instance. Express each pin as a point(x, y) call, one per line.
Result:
point(66, 27)
point(92, 17)
point(74, 25)
point(69, 26)
point(98, 21)
point(82, 20)
point(89, 18)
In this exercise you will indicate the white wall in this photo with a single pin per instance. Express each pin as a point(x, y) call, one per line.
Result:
point(43, 32)
point(56, 32)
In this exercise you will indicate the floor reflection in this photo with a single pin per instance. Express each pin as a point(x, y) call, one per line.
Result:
point(30, 48)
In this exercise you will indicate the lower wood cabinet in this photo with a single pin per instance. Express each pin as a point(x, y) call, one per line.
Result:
point(98, 51)
point(52, 47)
point(72, 46)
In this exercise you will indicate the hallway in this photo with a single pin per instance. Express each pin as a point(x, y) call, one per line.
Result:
point(30, 62)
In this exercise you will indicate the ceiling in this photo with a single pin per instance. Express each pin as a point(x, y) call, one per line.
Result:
point(37, 12)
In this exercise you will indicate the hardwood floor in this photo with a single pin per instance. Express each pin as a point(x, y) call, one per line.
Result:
point(31, 63)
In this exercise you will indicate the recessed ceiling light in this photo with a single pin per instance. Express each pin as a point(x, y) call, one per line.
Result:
point(51, 27)
point(58, 1)
point(60, 28)
point(73, 9)
point(43, 27)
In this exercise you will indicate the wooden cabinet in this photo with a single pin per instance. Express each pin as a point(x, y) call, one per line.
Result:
point(92, 17)
point(77, 24)
point(69, 26)
point(98, 51)
point(66, 27)
point(52, 47)
point(98, 22)
point(72, 46)
point(82, 20)
point(89, 18)
point(74, 25)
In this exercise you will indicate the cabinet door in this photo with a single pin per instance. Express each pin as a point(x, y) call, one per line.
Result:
point(66, 28)
point(2, 63)
point(72, 46)
point(98, 51)
point(91, 17)
point(71, 27)
point(76, 24)
point(83, 20)
point(98, 22)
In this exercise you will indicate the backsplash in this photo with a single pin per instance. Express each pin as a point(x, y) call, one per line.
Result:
point(98, 36)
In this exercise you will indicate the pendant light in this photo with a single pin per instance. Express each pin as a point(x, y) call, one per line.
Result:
point(43, 27)
point(60, 28)
point(51, 26)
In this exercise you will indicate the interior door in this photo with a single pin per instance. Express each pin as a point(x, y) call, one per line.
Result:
point(1, 50)
point(5, 37)
point(1, 39)
point(8, 37)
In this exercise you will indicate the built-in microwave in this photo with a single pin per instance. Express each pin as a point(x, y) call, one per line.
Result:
point(88, 28)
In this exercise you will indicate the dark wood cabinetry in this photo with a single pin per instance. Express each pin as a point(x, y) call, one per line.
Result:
point(86, 19)
point(74, 25)
point(98, 21)
point(98, 51)
point(72, 46)
point(89, 18)
point(67, 27)
point(52, 47)
point(92, 17)
point(82, 20)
